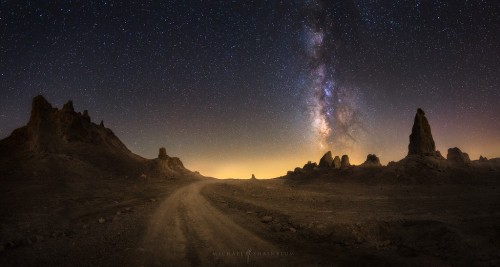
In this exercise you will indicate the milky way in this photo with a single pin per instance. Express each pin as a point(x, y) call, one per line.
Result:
point(333, 106)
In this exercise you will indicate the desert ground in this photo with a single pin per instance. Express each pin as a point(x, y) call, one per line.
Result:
point(279, 222)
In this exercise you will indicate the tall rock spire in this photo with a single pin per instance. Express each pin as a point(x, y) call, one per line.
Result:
point(421, 142)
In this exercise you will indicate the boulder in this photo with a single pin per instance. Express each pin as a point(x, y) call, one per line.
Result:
point(336, 163)
point(344, 163)
point(421, 141)
point(371, 161)
point(326, 161)
point(455, 155)
point(266, 219)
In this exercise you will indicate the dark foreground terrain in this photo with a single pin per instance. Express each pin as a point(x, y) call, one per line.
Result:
point(206, 222)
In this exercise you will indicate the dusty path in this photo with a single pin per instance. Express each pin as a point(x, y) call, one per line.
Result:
point(188, 231)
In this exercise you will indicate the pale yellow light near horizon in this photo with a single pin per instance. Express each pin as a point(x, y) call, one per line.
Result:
point(262, 168)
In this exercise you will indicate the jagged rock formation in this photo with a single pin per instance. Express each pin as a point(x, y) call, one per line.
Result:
point(326, 160)
point(371, 161)
point(336, 163)
point(50, 130)
point(421, 141)
point(309, 166)
point(253, 177)
point(455, 155)
point(69, 142)
point(344, 163)
point(482, 159)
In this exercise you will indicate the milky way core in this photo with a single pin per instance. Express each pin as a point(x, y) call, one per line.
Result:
point(333, 107)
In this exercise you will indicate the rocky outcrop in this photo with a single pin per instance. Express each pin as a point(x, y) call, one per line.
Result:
point(482, 159)
point(336, 163)
point(169, 164)
point(52, 130)
point(60, 141)
point(344, 163)
point(326, 161)
point(371, 161)
point(455, 155)
point(309, 166)
point(421, 141)
point(162, 154)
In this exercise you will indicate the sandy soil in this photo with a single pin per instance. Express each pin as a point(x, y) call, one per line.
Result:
point(188, 231)
point(276, 222)
point(345, 224)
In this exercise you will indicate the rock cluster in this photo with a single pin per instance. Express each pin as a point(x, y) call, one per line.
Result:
point(327, 161)
point(55, 130)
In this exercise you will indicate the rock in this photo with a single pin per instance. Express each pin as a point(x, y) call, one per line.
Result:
point(102, 123)
point(455, 155)
point(421, 141)
point(68, 107)
point(118, 212)
point(482, 159)
point(344, 163)
point(253, 177)
point(266, 219)
point(336, 162)
point(371, 161)
point(297, 170)
point(293, 230)
point(309, 166)
point(326, 161)
point(163, 153)
point(102, 220)
point(86, 116)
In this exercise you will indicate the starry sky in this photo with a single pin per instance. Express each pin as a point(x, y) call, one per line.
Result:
point(236, 88)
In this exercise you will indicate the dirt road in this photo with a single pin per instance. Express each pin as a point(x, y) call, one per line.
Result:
point(188, 231)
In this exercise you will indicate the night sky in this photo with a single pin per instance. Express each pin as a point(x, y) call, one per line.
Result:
point(241, 87)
